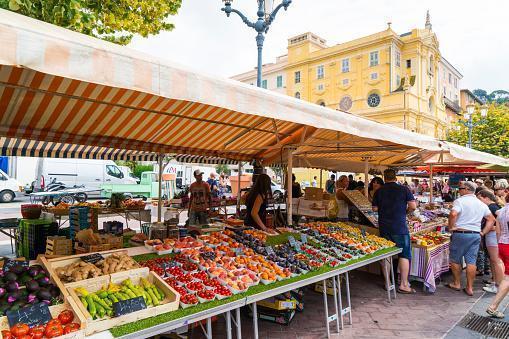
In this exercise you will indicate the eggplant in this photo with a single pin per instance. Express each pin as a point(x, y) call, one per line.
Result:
point(44, 294)
point(12, 286)
point(2, 292)
point(4, 308)
point(11, 276)
point(24, 278)
point(33, 271)
point(32, 285)
point(40, 275)
point(54, 291)
point(44, 281)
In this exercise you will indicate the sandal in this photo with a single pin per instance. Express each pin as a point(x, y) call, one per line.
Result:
point(412, 291)
point(452, 288)
point(469, 294)
point(495, 314)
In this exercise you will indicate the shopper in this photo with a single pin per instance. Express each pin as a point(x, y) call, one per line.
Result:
point(314, 183)
point(213, 184)
point(352, 184)
point(488, 183)
point(489, 241)
point(256, 203)
point(341, 186)
point(445, 189)
point(500, 189)
point(503, 250)
point(330, 185)
point(392, 202)
point(374, 186)
point(199, 202)
point(465, 220)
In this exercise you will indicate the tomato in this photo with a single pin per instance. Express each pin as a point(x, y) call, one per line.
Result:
point(54, 322)
point(72, 327)
point(37, 332)
point(6, 334)
point(19, 330)
point(53, 330)
point(26, 336)
point(66, 317)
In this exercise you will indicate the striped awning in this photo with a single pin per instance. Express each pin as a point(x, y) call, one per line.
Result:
point(46, 149)
point(67, 88)
point(196, 159)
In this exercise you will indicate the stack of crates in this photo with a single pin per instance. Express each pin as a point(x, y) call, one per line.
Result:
point(80, 218)
point(58, 246)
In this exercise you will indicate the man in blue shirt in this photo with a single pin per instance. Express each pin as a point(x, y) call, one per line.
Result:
point(392, 202)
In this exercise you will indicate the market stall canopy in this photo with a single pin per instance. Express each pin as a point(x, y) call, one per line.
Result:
point(198, 159)
point(60, 86)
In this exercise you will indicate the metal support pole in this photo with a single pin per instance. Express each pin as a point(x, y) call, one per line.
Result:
point(289, 188)
point(349, 308)
point(238, 189)
point(366, 176)
point(326, 307)
point(340, 300)
point(431, 184)
point(238, 323)
point(321, 176)
point(228, 325)
point(393, 281)
point(259, 43)
point(255, 321)
point(160, 178)
point(209, 328)
point(387, 278)
point(334, 290)
point(470, 128)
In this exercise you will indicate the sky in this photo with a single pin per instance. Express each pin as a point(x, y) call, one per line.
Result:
point(472, 34)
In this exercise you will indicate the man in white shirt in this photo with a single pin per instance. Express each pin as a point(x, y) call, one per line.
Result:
point(465, 225)
point(314, 183)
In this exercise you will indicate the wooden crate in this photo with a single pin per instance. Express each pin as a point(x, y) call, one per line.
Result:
point(92, 248)
point(114, 242)
point(55, 311)
point(51, 264)
point(58, 246)
point(170, 303)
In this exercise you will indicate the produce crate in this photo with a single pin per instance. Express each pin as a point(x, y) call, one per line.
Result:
point(92, 248)
point(55, 311)
point(58, 246)
point(114, 242)
point(273, 303)
point(52, 264)
point(170, 303)
point(313, 193)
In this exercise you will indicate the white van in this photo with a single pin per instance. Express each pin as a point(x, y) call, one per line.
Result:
point(128, 174)
point(76, 172)
point(9, 187)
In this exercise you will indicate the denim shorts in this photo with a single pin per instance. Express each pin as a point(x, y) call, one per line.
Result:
point(491, 239)
point(402, 241)
point(464, 245)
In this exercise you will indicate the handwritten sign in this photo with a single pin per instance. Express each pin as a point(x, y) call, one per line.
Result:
point(8, 263)
point(129, 306)
point(269, 250)
point(92, 258)
point(291, 240)
point(37, 314)
point(316, 233)
point(304, 238)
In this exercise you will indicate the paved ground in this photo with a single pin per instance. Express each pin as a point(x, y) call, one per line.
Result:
point(409, 316)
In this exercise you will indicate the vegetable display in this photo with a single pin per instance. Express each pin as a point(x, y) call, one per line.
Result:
point(54, 328)
point(100, 303)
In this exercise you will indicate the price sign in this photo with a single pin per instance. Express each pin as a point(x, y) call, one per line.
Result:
point(238, 251)
point(92, 258)
point(338, 252)
point(363, 232)
point(269, 250)
point(128, 306)
point(304, 238)
point(8, 263)
point(37, 314)
point(296, 245)
point(291, 240)
point(316, 233)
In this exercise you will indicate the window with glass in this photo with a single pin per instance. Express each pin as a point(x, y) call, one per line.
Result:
point(374, 76)
point(398, 80)
point(319, 87)
point(345, 65)
point(450, 78)
point(345, 104)
point(346, 82)
point(114, 171)
point(319, 72)
point(455, 82)
point(373, 100)
point(409, 63)
point(297, 95)
point(297, 77)
point(279, 81)
point(398, 59)
point(264, 84)
point(373, 58)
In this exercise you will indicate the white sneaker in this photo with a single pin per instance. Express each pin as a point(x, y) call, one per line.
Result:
point(491, 289)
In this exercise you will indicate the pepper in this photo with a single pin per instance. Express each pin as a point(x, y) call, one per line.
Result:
point(91, 306)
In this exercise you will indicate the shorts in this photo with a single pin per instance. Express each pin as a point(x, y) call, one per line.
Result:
point(490, 239)
point(464, 245)
point(402, 241)
point(503, 253)
point(198, 218)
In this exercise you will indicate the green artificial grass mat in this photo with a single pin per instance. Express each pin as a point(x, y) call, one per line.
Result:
point(181, 313)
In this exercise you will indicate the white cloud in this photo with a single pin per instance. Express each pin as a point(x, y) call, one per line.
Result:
point(471, 33)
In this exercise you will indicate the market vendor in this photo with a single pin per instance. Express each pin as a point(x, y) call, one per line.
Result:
point(256, 203)
point(200, 200)
point(342, 205)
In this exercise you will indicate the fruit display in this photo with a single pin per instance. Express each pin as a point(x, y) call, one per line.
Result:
point(429, 239)
point(187, 242)
point(133, 204)
point(99, 304)
point(81, 270)
point(188, 300)
point(56, 327)
point(23, 286)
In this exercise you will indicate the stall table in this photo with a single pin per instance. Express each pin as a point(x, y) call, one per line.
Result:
point(429, 263)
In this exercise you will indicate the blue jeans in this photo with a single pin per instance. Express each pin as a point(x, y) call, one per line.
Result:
point(402, 241)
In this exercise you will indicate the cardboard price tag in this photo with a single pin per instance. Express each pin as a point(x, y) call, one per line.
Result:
point(128, 306)
point(92, 258)
point(304, 238)
point(238, 251)
point(269, 250)
point(8, 263)
point(37, 314)
point(291, 240)
point(316, 233)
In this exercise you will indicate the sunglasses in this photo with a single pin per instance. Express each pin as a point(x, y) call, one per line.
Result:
point(462, 188)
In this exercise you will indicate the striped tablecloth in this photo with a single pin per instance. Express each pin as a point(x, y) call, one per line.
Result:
point(429, 263)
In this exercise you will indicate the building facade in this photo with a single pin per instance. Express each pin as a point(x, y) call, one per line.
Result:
point(388, 77)
point(449, 79)
point(274, 75)
point(468, 98)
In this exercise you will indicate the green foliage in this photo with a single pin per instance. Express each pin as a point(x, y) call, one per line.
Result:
point(499, 96)
point(223, 169)
point(138, 169)
point(129, 163)
point(491, 136)
point(113, 20)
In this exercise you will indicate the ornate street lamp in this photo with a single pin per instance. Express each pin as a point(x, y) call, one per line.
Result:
point(266, 14)
point(470, 124)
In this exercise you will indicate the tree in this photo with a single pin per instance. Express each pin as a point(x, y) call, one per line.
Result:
point(481, 94)
point(492, 136)
point(223, 169)
point(499, 96)
point(112, 20)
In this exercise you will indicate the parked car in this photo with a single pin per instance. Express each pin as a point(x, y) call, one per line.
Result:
point(9, 187)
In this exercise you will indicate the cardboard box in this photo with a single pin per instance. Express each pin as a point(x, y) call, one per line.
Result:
point(273, 303)
point(313, 193)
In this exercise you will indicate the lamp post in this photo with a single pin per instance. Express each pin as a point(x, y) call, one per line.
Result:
point(470, 124)
point(266, 15)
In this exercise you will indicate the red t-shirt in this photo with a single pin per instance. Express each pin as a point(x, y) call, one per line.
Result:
point(200, 195)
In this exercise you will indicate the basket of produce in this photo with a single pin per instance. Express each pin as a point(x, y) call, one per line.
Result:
point(31, 211)
point(104, 300)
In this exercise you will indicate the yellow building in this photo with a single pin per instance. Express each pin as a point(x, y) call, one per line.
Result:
point(388, 77)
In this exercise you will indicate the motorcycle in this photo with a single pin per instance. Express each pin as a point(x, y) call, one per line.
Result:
point(55, 186)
